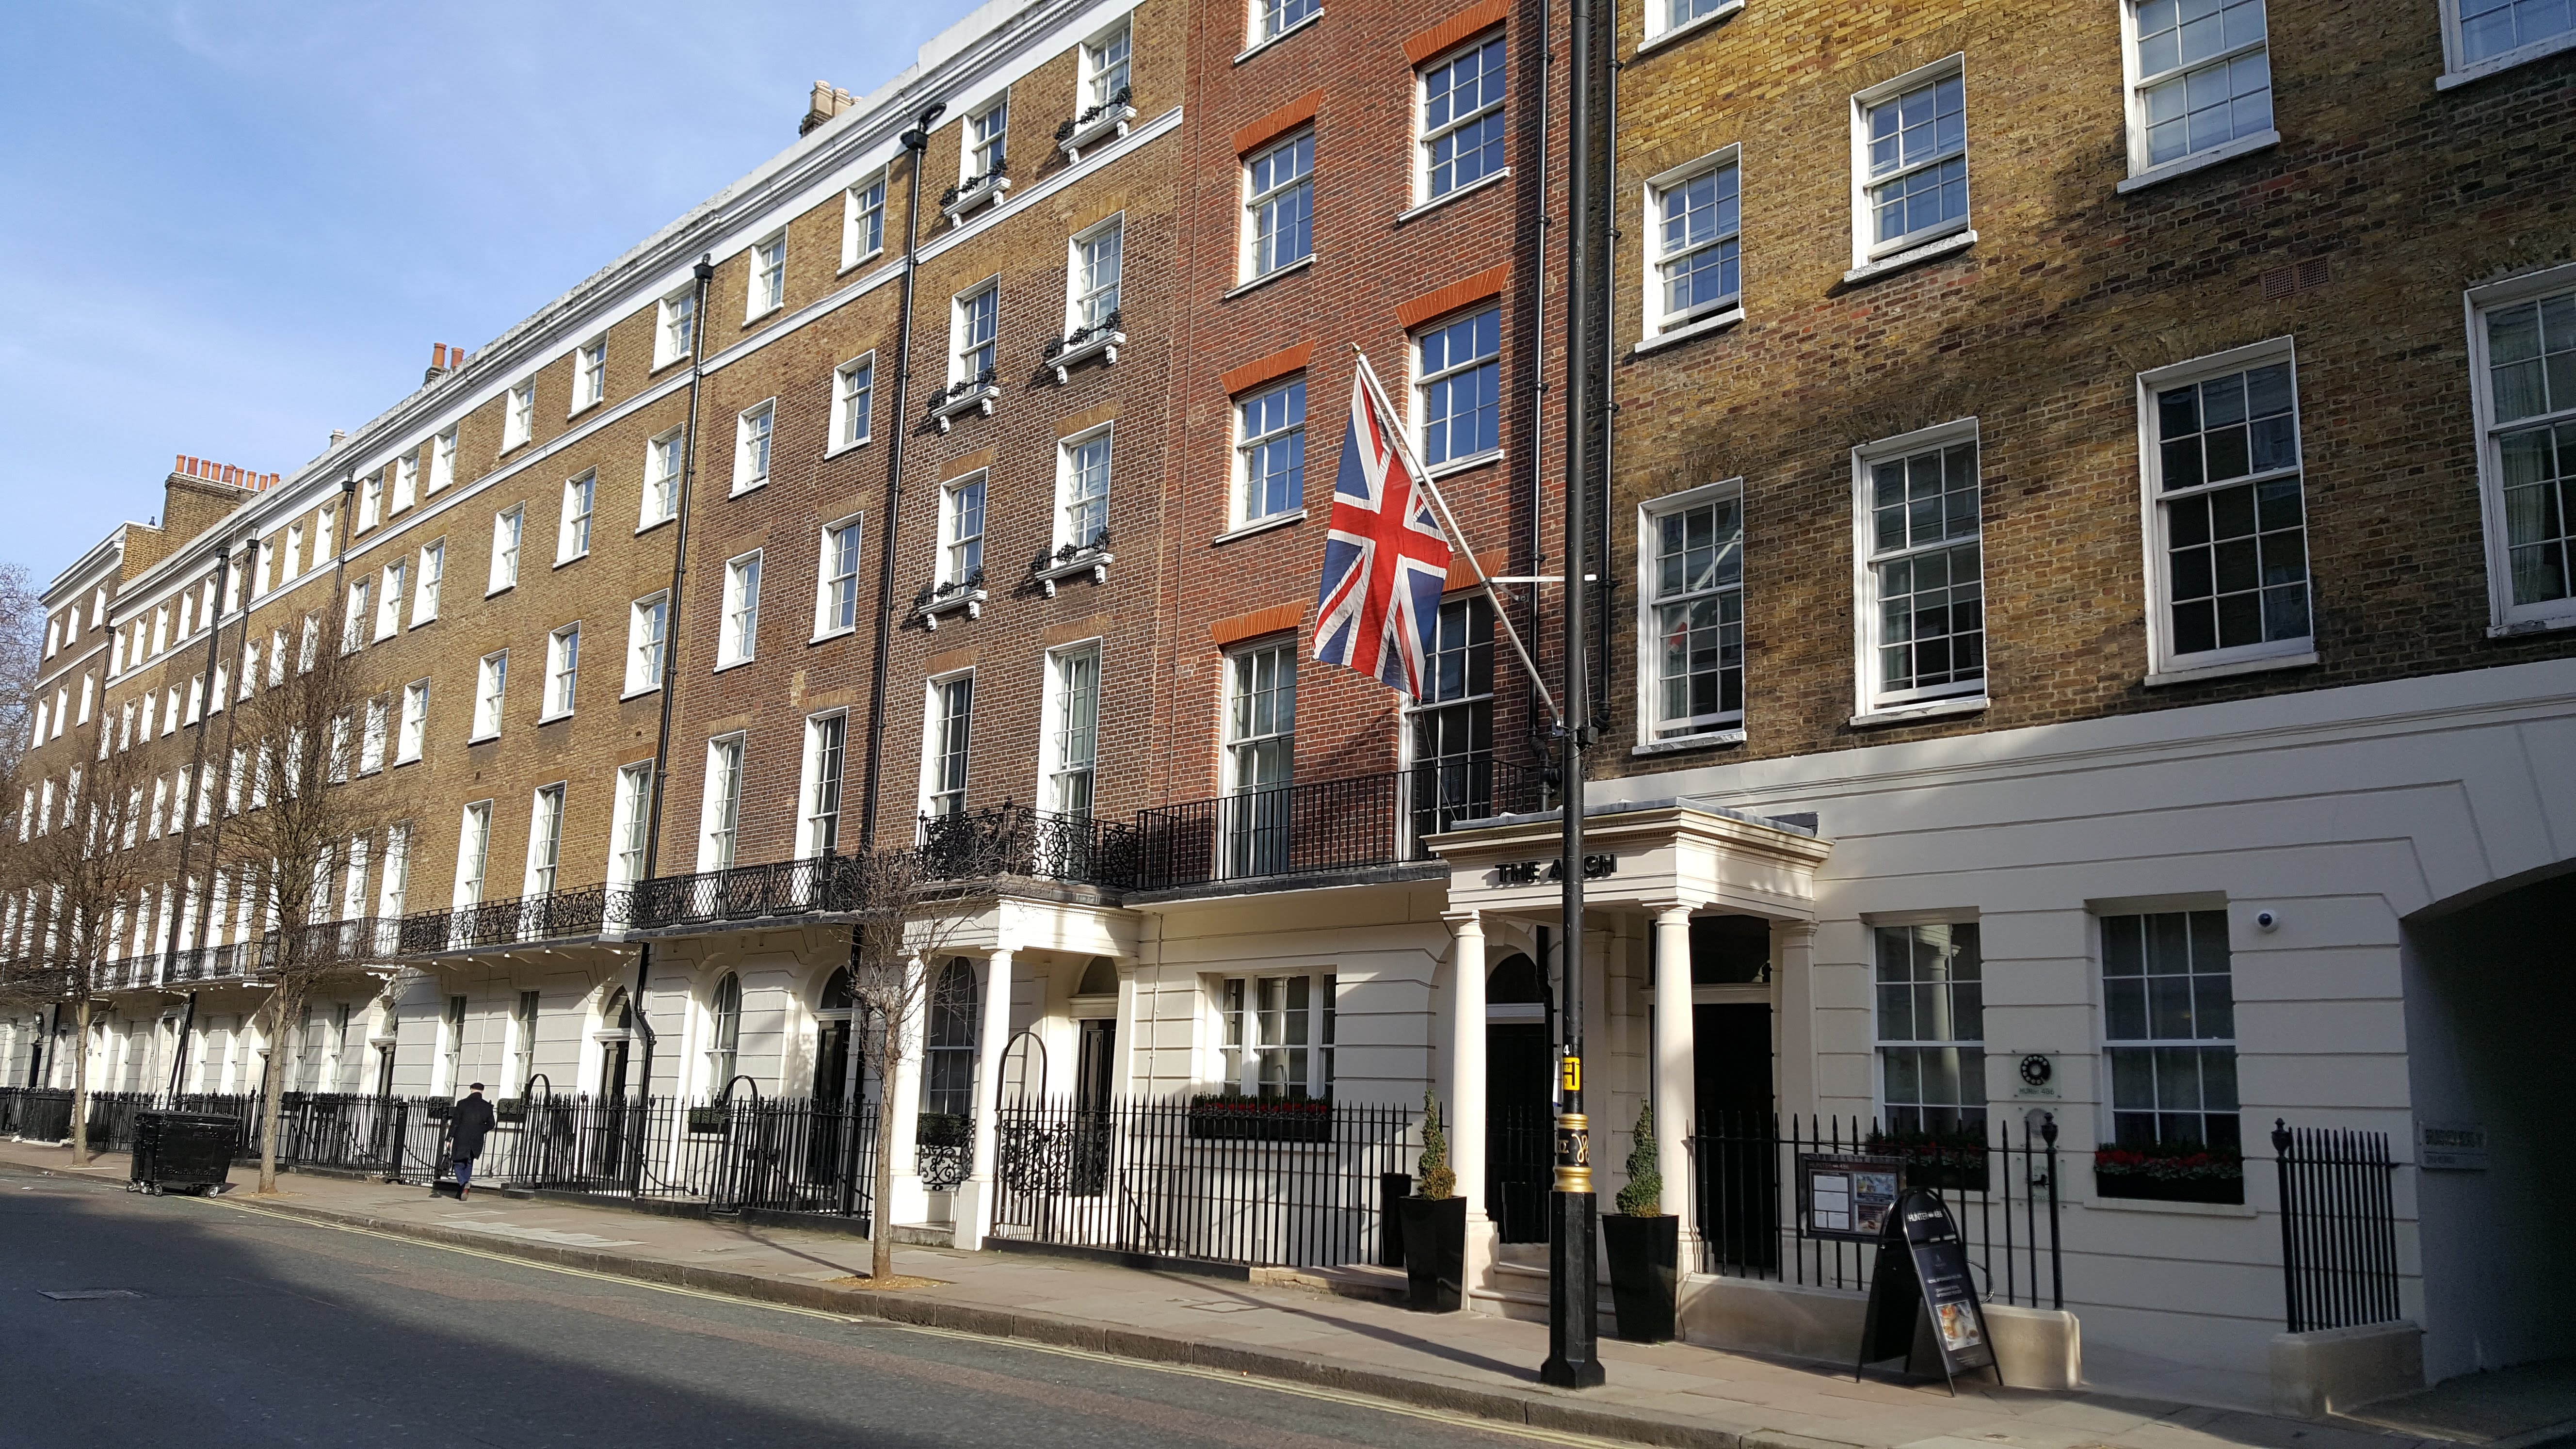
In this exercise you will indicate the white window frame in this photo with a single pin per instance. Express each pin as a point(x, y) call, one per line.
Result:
point(720, 803)
point(663, 463)
point(1722, 726)
point(359, 615)
point(509, 534)
point(765, 286)
point(2460, 70)
point(2504, 615)
point(1942, 994)
point(738, 639)
point(2143, 169)
point(442, 460)
point(371, 737)
point(1425, 139)
point(580, 509)
point(675, 328)
point(545, 840)
point(1268, 20)
point(1867, 621)
point(951, 544)
point(1246, 444)
point(371, 501)
point(827, 573)
point(473, 854)
point(589, 375)
point(1661, 27)
point(394, 880)
point(961, 337)
point(815, 789)
point(1243, 1019)
point(1065, 481)
point(413, 732)
point(936, 789)
point(755, 443)
point(519, 415)
point(853, 427)
point(1419, 398)
point(1059, 746)
point(563, 672)
point(1083, 290)
point(628, 815)
point(1658, 320)
point(1248, 266)
point(648, 639)
point(1865, 249)
point(863, 209)
point(389, 599)
point(976, 138)
point(491, 695)
point(433, 572)
point(2163, 664)
point(1096, 72)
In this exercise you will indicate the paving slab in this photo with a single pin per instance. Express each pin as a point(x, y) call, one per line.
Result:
point(1476, 1364)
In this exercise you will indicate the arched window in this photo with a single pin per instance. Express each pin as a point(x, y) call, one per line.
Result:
point(1515, 981)
point(948, 1068)
point(837, 992)
point(834, 1072)
point(725, 1041)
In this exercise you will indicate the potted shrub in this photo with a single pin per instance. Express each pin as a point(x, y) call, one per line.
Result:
point(1644, 1242)
point(1435, 1223)
point(2170, 1172)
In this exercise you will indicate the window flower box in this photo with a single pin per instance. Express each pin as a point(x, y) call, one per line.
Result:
point(965, 595)
point(1108, 120)
point(1940, 1161)
point(974, 395)
point(1231, 1117)
point(975, 192)
point(1073, 561)
point(1101, 340)
point(2169, 1172)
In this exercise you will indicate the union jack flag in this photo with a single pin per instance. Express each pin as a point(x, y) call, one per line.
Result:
point(1386, 560)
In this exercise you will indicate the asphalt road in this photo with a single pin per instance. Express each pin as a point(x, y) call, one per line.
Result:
point(252, 1330)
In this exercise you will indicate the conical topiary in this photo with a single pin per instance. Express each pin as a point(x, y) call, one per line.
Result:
point(1643, 1197)
point(1433, 1179)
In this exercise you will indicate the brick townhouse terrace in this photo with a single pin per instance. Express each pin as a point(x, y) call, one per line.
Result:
point(2082, 585)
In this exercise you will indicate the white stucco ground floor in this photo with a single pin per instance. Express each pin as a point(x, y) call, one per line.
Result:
point(2159, 934)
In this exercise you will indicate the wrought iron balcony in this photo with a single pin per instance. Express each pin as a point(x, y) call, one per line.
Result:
point(554, 916)
point(1323, 827)
point(742, 893)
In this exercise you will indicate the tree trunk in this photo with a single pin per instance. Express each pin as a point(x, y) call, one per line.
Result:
point(272, 1076)
point(80, 1084)
point(881, 1203)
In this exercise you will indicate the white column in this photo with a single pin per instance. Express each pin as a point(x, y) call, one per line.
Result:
point(975, 1195)
point(1466, 1108)
point(902, 1097)
point(1676, 1062)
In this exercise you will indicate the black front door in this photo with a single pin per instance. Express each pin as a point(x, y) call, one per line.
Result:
point(1094, 1077)
point(1520, 1129)
point(1739, 1166)
point(833, 1131)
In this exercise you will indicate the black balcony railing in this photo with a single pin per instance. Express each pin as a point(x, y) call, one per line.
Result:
point(742, 893)
point(1325, 826)
point(554, 916)
point(1018, 840)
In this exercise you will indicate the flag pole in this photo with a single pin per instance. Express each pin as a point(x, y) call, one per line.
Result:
point(1458, 536)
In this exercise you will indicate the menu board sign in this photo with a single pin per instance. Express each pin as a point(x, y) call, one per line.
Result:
point(1923, 1267)
point(1847, 1195)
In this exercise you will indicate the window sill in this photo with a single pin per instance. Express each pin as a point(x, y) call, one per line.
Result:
point(644, 528)
point(1096, 563)
point(1259, 46)
point(977, 400)
point(1710, 740)
point(432, 619)
point(968, 601)
point(639, 693)
point(1931, 709)
point(1111, 123)
point(2507, 61)
point(764, 314)
point(1899, 261)
point(2176, 1209)
point(854, 263)
point(1102, 345)
point(576, 412)
point(1495, 178)
point(666, 363)
point(2167, 677)
point(407, 760)
point(1266, 278)
point(828, 635)
point(1688, 28)
point(735, 663)
point(574, 559)
point(483, 739)
point(754, 486)
point(2185, 165)
point(1696, 327)
point(1467, 464)
point(839, 449)
point(2521, 628)
point(544, 720)
point(1261, 525)
point(496, 593)
point(990, 192)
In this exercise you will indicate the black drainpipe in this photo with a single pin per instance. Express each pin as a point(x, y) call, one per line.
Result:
point(916, 141)
point(197, 787)
point(705, 272)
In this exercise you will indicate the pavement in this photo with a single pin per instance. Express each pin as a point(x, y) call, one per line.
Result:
point(1464, 1366)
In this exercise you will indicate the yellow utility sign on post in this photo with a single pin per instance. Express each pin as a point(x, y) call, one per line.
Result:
point(1573, 1074)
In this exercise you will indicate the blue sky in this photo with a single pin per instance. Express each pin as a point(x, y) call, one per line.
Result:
point(239, 224)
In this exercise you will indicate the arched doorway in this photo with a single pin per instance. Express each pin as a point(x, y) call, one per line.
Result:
point(839, 1129)
point(615, 1035)
point(944, 1139)
point(1520, 1100)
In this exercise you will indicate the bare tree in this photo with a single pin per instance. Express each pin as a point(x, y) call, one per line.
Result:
point(85, 865)
point(909, 908)
point(22, 636)
point(302, 744)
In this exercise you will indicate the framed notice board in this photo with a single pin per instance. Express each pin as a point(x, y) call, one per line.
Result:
point(1847, 1196)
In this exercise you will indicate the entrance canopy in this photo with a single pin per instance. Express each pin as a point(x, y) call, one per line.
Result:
point(1642, 854)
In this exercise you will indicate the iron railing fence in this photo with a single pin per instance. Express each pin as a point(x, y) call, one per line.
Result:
point(1999, 1184)
point(1021, 840)
point(1323, 826)
point(742, 893)
point(1520, 1170)
point(550, 916)
point(1300, 1185)
point(2338, 1227)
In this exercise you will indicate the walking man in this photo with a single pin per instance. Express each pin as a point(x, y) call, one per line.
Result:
point(466, 1125)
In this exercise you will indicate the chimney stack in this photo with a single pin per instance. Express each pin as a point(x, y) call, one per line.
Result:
point(339, 436)
point(827, 101)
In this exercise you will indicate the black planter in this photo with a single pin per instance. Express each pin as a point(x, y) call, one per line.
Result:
point(2139, 1187)
point(1435, 1252)
point(1644, 1260)
point(1392, 1189)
